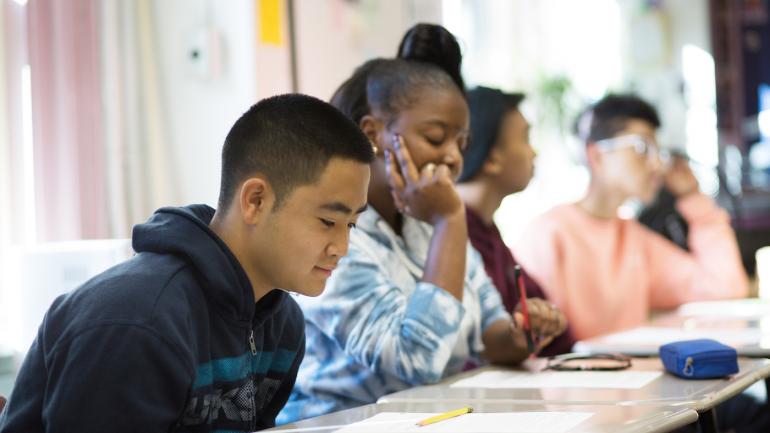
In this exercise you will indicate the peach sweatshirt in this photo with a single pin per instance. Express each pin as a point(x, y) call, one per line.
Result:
point(606, 274)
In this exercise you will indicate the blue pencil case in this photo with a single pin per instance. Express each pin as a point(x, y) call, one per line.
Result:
point(699, 359)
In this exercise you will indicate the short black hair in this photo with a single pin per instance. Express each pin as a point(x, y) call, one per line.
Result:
point(289, 139)
point(610, 114)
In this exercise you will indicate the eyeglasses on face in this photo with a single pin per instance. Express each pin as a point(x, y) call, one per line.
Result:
point(643, 146)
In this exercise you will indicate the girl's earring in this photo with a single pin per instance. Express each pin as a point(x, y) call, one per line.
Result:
point(374, 147)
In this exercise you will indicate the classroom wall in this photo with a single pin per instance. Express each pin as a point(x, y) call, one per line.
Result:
point(653, 62)
point(201, 106)
point(335, 36)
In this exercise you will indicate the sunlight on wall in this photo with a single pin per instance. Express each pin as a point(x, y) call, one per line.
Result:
point(701, 124)
point(591, 54)
point(520, 45)
point(592, 46)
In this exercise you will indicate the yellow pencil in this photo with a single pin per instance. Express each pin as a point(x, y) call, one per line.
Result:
point(443, 416)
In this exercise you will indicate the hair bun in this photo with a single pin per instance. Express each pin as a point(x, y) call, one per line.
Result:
point(434, 44)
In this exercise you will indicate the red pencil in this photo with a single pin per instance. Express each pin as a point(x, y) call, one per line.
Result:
point(519, 281)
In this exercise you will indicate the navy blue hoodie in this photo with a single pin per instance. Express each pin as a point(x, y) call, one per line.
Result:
point(170, 340)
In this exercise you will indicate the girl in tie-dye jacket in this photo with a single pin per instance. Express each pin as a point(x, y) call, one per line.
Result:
point(411, 302)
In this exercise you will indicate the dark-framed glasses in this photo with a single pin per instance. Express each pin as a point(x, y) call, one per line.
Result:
point(586, 362)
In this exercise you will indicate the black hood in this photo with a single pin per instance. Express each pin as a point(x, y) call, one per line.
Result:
point(185, 232)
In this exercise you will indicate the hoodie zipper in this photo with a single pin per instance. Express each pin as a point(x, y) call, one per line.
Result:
point(252, 343)
point(253, 346)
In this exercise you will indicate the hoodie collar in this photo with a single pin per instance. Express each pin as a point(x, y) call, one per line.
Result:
point(185, 232)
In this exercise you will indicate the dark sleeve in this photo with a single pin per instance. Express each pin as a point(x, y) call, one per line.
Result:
point(116, 378)
point(22, 411)
point(561, 344)
point(663, 218)
point(284, 390)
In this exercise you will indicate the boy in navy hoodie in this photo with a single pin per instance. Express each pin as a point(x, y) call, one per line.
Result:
point(195, 333)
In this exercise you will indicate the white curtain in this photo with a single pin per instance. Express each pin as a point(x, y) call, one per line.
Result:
point(15, 227)
point(7, 210)
point(140, 168)
point(5, 144)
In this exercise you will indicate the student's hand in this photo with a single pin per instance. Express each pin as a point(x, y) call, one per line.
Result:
point(546, 320)
point(679, 179)
point(428, 194)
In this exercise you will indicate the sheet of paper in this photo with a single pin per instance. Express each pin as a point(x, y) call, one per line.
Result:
point(741, 308)
point(659, 336)
point(559, 379)
point(509, 422)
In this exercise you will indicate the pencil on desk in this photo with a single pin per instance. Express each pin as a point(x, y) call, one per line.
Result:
point(445, 416)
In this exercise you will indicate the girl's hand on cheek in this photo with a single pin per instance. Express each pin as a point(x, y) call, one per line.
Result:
point(429, 194)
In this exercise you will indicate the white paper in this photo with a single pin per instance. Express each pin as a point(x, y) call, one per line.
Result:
point(741, 308)
point(509, 422)
point(559, 379)
point(650, 336)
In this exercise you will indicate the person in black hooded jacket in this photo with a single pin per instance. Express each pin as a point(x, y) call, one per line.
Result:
point(662, 215)
point(196, 332)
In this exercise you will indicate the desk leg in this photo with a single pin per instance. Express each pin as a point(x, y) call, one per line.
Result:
point(707, 422)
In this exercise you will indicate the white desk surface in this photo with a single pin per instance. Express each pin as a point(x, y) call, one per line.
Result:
point(752, 308)
point(665, 390)
point(743, 324)
point(606, 418)
point(755, 343)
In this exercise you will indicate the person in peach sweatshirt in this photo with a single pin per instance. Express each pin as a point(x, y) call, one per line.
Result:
point(606, 273)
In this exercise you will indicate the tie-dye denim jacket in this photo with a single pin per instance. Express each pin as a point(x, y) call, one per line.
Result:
point(378, 329)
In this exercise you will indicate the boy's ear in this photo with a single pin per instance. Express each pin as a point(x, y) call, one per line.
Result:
point(372, 128)
point(256, 199)
point(593, 157)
